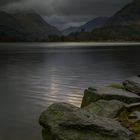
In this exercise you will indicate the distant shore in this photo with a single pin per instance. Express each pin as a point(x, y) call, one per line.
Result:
point(111, 43)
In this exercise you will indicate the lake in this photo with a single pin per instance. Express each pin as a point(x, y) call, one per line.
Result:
point(35, 75)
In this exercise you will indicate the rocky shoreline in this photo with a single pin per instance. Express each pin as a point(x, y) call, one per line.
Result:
point(108, 113)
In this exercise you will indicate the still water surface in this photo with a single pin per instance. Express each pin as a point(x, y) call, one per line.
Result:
point(33, 76)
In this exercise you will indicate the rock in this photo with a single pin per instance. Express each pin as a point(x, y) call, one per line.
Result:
point(135, 115)
point(109, 109)
point(130, 118)
point(52, 116)
point(66, 122)
point(57, 110)
point(133, 85)
point(108, 93)
point(133, 107)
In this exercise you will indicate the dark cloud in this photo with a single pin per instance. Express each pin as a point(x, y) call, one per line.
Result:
point(4, 2)
point(66, 7)
point(63, 22)
point(73, 10)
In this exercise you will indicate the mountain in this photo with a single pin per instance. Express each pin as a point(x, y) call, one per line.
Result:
point(122, 26)
point(7, 20)
point(128, 15)
point(35, 26)
point(9, 28)
point(69, 30)
point(95, 23)
point(24, 27)
point(87, 27)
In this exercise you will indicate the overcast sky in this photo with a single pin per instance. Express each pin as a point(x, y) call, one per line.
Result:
point(64, 13)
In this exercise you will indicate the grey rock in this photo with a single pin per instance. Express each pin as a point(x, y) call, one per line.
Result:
point(133, 85)
point(130, 118)
point(135, 115)
point(108, 93)
point(66, 122)
point(133, 107)
point(56, 110)
point(109, 109)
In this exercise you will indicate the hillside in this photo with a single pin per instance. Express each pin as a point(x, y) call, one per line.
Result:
point(24, 27)
point(69, 30)
point(122, 26)
point(95, 23)
point(89, 26)
point(128, 15)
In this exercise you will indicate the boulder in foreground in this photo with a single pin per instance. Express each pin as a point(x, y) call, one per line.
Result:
point(92, 95)
point(103, 108)
point(133, 84)
point(130, 118)
point(63, 121)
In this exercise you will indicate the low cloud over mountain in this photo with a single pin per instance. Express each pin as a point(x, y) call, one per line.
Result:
point(81, 10)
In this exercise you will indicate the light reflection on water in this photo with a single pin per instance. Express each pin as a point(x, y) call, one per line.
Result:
point(31, 79)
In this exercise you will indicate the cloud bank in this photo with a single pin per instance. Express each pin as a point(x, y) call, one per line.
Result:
point(74, 10)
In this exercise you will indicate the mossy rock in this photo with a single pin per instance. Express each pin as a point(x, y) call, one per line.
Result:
point(117, 86)
point(133, 84)
point(65, 122)
point(130, 118)
point(92, 95)
point(109, 109)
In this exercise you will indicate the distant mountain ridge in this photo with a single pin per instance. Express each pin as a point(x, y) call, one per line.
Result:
point(25, 26)
point(89, 26)
point(122, 26)
point(128, 15)
point(95, 23)
point(69, 30)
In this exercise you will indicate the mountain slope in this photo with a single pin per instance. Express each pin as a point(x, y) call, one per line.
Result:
point(7, 20)
point(89, 26)
point(34, 23)
point(69, 30)
point(122, 26)
point(25, 27)
point(128, 15)
point(10, 29)
point(95, 23)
